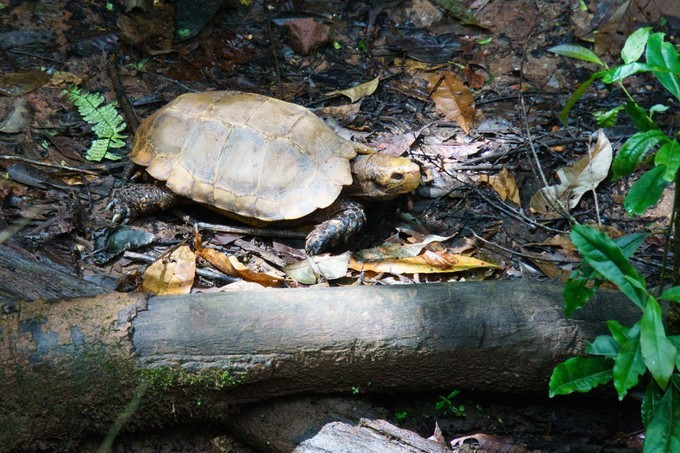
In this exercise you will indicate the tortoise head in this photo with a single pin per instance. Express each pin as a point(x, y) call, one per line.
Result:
point(381, 177)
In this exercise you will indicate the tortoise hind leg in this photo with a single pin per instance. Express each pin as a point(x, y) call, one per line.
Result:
point(344, 219)
point(135, 200)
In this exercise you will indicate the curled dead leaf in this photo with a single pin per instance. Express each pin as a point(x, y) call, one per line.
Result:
point(504, 184)
point(358, 91)
point(230, 265)
point(575, 180)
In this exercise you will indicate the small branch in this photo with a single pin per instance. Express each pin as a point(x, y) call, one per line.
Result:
point(207, 273)
point(46, 164)
point(251, 231)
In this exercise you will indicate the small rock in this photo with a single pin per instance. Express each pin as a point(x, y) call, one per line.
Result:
point(306, 34)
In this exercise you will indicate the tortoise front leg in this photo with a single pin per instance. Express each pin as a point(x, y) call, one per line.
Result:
point(344, 219)
point(136, 200)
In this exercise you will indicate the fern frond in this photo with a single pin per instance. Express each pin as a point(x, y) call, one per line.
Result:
point(105, 120)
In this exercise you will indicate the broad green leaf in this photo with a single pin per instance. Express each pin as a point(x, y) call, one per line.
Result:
point(573, 99)
point(669, 155)
point(576, 294)
point(608, 118)
point(639, 117)
point(671, 294)
point(580, 374)
point(619, 73)
point(633, 151)
point(663, 430)
point(660, 53)
point(650, 402)
point(599, 251)
point(635, 45)
point(604, 345)
point(630, 243)
point(675, 340)
point(658, 352)
point(628, 366)
point(577, 52)
point(621, 333)
point(646, 191)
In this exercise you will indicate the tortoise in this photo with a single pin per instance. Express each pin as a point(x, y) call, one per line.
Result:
point(259, 160)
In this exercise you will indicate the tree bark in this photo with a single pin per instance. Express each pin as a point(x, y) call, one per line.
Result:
point(71, 367)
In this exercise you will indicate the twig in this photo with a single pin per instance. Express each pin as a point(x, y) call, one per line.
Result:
point(523, 255)
point(207, 273)
point(176, 82)
point(46, 164)
point(272, 43)
point(121, 95)
point(251, 231)
point(554, 203)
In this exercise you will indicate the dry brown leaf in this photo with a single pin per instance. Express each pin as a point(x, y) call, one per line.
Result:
point(230, 265)
point(331, 266)
point(358, 91)
point(453, 99)
point(504, 184)
point(171, 274)
point(575, 180)
point(427, 263)
point(62, 79)
point(391, 250)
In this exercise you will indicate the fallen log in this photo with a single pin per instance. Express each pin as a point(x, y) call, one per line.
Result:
point(71, 367)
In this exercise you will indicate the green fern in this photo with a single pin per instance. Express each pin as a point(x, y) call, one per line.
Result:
point(105, 120)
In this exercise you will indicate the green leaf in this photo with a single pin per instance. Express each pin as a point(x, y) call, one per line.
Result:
point(621, 333)
point(628, 366)
point(650, 402)
point(633, 151)
point(658, 352)
point(608, 118)
point(635, 45)
point(660, 53)
point(671, 294)
point(604, 345)
point(646, 191)
point(630, 243)
point(573, 99)
point(605, 256)
point(663, 430)
point(657, 108)
point(619, 73)
point(639, 117)
point(576, 294)
point(669, 155)
point(577, 52)
point(580, 374)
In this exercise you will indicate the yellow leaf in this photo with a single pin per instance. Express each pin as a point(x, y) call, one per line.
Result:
point(453, 99)
point(427, 263)
point(171, 274)
point(358, 91)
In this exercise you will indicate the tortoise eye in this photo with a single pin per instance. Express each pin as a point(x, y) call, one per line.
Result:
point(398, 176)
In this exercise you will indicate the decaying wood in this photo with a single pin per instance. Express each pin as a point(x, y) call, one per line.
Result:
point(23, 277)
point(72, 366)
point(368, 435)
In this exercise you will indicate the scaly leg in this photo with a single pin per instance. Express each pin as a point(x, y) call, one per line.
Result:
point(344, 219)
point(137, 200)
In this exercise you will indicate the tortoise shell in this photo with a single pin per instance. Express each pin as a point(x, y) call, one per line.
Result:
point(245, 154)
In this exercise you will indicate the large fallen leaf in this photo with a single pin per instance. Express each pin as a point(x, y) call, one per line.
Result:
point(358, 91)
point(575, 180)
point(398, 251)
point(230, 265)
point(332, 267)
point(504, 184)
point(452, 98)
point(171, 274)
point(427, 263)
